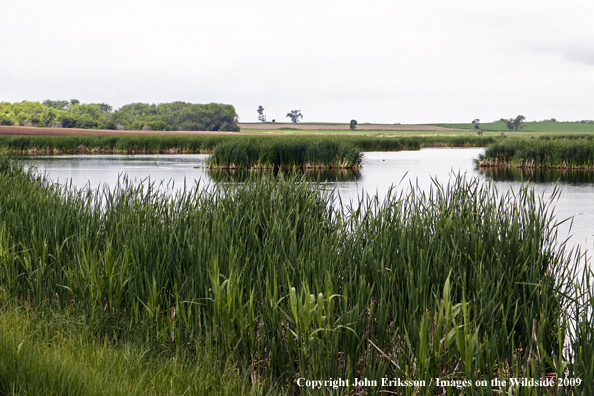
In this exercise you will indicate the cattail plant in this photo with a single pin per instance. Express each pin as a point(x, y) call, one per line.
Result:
point(456, 282)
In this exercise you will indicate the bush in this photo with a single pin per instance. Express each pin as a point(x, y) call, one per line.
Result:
point(6, 119)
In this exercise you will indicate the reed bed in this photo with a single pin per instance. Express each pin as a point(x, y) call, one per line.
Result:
point(125, 144)
point(186, 144)
point(456, 283)
point(559, 154)
point(285, 153)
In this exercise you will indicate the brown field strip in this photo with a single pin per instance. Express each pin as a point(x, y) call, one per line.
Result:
point(275, 129)
point(360, 127)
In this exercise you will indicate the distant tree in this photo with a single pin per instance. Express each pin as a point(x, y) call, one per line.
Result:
point(353, 125)
point(22, 117)
point(261, 115)
point(477, 123)
point(109, 124)
point(6, 119)
point(35, 119)
point(56, 104)
point(74, 101)
point(295, 115)
point(48, 117)
point(104, 107)
point(514, 124)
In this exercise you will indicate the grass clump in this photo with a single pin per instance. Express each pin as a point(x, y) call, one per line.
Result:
point(457, 283)
point(541, 153)
point(286, 154)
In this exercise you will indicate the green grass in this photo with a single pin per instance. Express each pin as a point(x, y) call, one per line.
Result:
point(536, 128)
point(541, 153)
point(44, 351)
point(459, 282)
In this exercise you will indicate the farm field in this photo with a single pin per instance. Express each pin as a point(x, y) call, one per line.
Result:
point(531, 130)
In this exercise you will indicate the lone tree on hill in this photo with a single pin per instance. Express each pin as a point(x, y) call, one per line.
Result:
point(295, 115)
point(514, 124)
point(353, 124)
point(261, 115)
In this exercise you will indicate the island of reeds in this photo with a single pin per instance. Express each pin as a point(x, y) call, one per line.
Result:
point(540, 153)
point(248, 288)
point(283, 153)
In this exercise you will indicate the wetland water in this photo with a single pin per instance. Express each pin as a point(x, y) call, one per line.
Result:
point(380, 171)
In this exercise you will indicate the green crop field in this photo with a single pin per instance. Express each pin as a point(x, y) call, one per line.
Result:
point(531, 128)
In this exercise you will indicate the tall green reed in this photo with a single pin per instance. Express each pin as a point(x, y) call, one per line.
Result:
point(455, 282)
point(285, 153)
point(540, 153)
point(174, 143)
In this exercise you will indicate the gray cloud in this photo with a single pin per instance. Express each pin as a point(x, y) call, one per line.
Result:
point(383, 61)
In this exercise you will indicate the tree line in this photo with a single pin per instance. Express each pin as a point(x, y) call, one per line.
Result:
point(176, 116)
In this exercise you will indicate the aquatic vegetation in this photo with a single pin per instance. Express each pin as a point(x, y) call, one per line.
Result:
point(192, 144)
point(285, 153)
point(541, 153)
point(458, 283)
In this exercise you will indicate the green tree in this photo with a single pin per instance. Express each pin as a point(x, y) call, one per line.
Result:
point(104, 107)
point(295, 115)
point(6, 119)
point(48, 116)
point(514, 124)
point(74, 101)
point(35, 119)
point(22, 117)
point(353, 125)
point(56, 104)
point(261, 115)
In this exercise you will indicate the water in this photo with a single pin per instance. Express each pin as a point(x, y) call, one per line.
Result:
point(380, 172)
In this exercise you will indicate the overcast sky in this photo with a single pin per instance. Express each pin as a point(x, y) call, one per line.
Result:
point(414, 61)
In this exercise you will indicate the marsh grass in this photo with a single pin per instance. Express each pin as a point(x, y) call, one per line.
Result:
point(459, 282)
point(52, 352)
point(283, 153)
point(541, 153)
point(185, 144)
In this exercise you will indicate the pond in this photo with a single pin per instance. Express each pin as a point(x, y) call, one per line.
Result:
point(381, 171)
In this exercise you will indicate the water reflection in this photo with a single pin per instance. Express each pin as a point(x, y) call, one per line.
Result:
point(318, 175)
point(548, 176)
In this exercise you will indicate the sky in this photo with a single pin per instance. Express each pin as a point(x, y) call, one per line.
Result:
point(414, 61)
